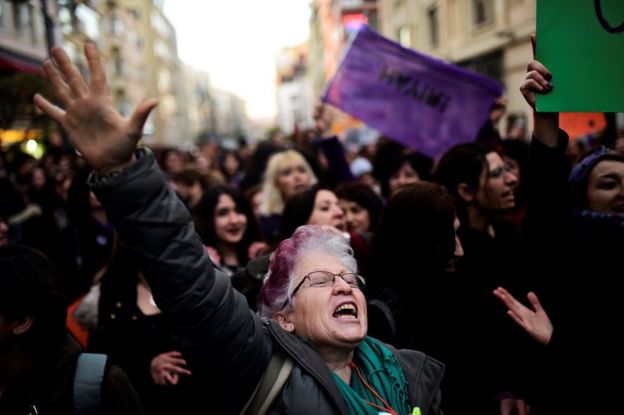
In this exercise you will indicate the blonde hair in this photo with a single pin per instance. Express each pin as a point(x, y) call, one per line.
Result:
point(272, 199)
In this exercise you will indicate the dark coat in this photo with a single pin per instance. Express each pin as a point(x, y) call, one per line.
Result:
point(227, 346)
point(48, 385)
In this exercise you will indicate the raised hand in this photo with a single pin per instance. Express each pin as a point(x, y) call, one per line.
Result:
point(536, 80)
point(88, 115)
point(535, 322)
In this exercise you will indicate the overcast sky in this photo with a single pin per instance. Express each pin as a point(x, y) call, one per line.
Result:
point(236, 42)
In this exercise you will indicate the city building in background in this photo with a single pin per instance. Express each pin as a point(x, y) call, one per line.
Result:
point(489, 36)
point(140, 44)
point(212, 113)
point(295, 102)
point(23, 46)
point(139, 50)
point(332, 22)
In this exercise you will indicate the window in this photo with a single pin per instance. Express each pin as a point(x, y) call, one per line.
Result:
point(23, 21)
point(482, 11)
point(434, 27)
point(88, 21)
point(118, 61)
point(405, 36)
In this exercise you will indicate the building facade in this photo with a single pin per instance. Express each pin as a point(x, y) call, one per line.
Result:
point(294, 99)
point(23, 47)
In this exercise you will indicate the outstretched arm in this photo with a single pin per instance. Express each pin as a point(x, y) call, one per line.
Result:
point(210, 322)
point(535, 322)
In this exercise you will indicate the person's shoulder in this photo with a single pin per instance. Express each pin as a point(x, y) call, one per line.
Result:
point(419, 362)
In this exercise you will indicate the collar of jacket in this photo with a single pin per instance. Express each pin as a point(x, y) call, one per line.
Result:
point(308, 359)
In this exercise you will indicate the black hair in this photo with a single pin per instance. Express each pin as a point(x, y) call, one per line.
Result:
point(463, 163)
point(363, 195)
point(297, 212)
point(415, 230)
point(203, 216)
point(30, 286)
point(391, 156)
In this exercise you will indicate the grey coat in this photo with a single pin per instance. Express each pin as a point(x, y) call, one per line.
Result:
point(226, 345)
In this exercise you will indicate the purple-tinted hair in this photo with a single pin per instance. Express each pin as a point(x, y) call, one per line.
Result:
point(275, 293)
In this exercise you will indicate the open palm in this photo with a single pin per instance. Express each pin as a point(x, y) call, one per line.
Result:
point(535, 322)
point(96, 129)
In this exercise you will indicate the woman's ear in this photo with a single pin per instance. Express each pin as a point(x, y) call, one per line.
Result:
point(22, 324)
point(465, 192)
point(284, 321)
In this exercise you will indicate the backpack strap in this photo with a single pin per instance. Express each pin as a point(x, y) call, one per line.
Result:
point(271, 384)
point(385, 309)
point(88, 383)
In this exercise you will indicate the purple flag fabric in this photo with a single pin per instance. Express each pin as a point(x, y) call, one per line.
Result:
point(420, 101)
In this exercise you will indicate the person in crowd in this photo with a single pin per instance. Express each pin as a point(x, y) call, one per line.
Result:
point(227, 227)
point(254, 198)
point(312, 309)
point(231, 166)
point(361, 206)
point(483, 190)
point(93, 235)
point(190, 186)
point(576, 233)
point(314, 206)
point(413, 253)
point(256, 165)
point(133, 332)
point(396, 166)
point(171, 161)
point(37, 355)
point(287, 174)
point(51, 232)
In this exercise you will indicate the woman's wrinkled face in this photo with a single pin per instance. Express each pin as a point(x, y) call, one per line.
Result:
point(497, 185)
point(229, 223)
point(403, 176)
point(319, 313)
point(327, 211)
point(605, 187)
point(357, 218)
point(293, 178)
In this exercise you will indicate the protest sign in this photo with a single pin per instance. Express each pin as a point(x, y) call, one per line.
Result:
point(420, 101)
point(581, 42)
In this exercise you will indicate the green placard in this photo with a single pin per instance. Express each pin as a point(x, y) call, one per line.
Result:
point(582, 43)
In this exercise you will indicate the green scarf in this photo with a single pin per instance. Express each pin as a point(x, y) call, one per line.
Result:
point(382, 372)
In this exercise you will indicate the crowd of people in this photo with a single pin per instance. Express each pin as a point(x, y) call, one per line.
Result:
point(376, 280)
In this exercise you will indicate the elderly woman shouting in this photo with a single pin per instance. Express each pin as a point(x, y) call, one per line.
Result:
point(313, 310)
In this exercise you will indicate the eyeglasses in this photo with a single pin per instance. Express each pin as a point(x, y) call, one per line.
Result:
point(327, 279)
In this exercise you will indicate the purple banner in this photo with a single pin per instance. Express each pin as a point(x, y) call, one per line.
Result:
point(420, 101)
